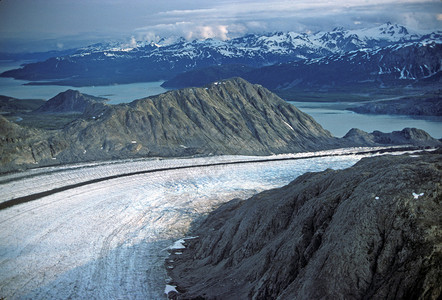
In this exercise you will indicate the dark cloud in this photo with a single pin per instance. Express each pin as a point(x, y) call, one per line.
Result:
point(69, 22)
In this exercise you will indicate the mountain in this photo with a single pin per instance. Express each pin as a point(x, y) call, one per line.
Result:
point(429, 104)
point(14, 105)
point(226, 117)
point(207, 75)
point(398, 64)
point(106, 64)
point(371, 231)
point(71, 101)
point(412, 136)
point(395, 65)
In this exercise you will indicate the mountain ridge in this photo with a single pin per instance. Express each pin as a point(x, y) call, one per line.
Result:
point(229, 117)
point(417, 63)
point(371, 231)
point(97, 65)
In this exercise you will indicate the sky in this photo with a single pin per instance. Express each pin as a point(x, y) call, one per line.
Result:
point(40, 25)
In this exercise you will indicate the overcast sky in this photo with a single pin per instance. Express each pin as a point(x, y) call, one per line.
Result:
point(36, 25)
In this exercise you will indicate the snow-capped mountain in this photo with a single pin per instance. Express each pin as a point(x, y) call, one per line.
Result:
point(399, 64)
point(403, 63)
point(149, 61)
point(288, 46)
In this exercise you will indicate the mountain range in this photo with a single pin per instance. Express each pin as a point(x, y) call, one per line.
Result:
point(226, 117)
point(102, 64)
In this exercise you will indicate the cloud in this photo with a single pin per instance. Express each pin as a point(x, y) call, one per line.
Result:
point(229, 19)
point(83, 21)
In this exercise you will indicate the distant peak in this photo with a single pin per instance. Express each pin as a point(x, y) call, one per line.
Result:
point(340, 28)
point(69, 92)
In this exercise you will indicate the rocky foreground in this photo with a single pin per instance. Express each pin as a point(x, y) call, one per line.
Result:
point(372, 231)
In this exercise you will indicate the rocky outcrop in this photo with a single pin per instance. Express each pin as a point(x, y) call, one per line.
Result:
point(407, 136)
point(372, 231)
point(72, 101)
point(26, 147)
point(204, 76)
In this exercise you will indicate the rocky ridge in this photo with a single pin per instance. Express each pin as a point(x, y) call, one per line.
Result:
point(226, 117)
point(71, 101)
point(371, 231)
point(413, 136)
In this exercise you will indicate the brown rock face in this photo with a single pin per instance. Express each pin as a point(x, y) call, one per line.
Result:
point(372, 231)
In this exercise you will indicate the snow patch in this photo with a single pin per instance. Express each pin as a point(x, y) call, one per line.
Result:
point(288, 125)
point(416, 196)
point(170, 288)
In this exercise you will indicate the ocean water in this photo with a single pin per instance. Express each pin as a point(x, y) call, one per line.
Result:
point(335, 118)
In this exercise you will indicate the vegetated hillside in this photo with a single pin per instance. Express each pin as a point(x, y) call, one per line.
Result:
point(372, 231)
point(429, 104)
point(10, 105)
point(103, 64)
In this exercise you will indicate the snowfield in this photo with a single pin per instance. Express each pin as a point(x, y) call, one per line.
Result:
point(109, 239)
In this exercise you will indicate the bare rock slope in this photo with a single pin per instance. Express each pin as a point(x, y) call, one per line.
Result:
point(372, 231)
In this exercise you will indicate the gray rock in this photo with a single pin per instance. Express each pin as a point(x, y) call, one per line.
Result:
point(372, 231)
point(71, 101)
point(407, 136)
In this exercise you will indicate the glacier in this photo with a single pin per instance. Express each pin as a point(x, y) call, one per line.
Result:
point(109, 239)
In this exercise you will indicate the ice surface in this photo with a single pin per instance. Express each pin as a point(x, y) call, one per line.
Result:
point(106, 240)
